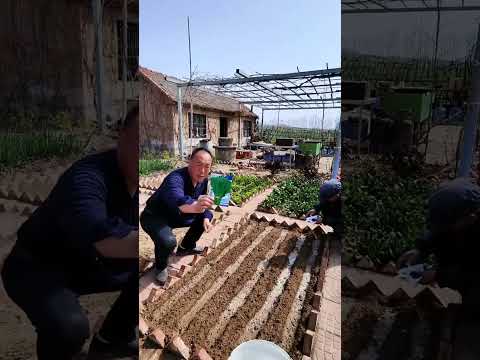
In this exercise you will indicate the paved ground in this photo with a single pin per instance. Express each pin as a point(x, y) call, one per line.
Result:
point(327, 339)
point(442, 145)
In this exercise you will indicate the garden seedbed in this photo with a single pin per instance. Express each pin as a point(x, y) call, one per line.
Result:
point(258, 280)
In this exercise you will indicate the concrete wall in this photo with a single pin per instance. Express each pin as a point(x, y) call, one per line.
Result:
point(157, 127)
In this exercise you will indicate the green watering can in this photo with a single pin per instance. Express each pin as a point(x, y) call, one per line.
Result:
point(220, 186)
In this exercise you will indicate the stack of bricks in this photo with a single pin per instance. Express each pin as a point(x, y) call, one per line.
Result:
point(323, 334)
point(173, 343)
point(289, 223)
point(31, 192)
point(394, 290)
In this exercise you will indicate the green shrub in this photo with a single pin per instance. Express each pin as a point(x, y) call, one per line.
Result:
point(383, 213)
point(294, 196)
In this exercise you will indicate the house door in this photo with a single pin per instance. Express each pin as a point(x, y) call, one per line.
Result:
point(223, 127)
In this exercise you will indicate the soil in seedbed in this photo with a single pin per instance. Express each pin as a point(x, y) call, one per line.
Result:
point(372, 330)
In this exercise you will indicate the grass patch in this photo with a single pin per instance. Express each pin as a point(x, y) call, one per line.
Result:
point(150, 163)
point(294, 196)
point(17, 149)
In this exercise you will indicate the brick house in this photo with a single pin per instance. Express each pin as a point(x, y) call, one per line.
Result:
point(48, 57)
point(214, 116)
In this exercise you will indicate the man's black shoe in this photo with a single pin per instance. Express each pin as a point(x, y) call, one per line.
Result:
point(102, 350)
point(184, 252)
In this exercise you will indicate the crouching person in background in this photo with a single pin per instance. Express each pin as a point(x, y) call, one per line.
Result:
point(329, 207)
point(453, 233)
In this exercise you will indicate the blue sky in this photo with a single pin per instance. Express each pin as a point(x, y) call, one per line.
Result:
point(263, 36)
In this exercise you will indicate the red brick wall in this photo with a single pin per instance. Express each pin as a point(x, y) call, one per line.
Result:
point(156, 119)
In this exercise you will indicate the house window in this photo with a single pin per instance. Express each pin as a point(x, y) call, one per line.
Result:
point(132, 50)
point(247, 128)
point(199, 127)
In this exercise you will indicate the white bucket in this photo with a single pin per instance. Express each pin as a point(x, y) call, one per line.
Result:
point(259, 349)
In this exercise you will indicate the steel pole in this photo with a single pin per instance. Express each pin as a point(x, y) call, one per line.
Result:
point(124, 62)
point(262, 125)
point(97, 7)
point(338, 153)
point(180, 121)
point(471, 119)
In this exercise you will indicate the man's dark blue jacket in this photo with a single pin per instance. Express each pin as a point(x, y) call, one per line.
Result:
point(177, 190)
point(89, 203)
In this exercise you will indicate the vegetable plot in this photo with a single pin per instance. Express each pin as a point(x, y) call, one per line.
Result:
point(271, 133)
point(294, 196)
point(246, 186)
point(381, 221)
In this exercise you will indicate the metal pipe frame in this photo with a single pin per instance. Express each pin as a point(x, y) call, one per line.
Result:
point(308, 86)
point(285, 94)
point(277, 91)
point(304, 108)
point(266, 88)
point(264, 78)
point(386, 7)
point(292, 101)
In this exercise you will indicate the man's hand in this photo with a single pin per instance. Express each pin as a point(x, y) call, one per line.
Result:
point(428, 277)
point(207, 225)
point(205, 201)
point(124, 248)
point(199, 206)
point(310, 213)
point(408, 258)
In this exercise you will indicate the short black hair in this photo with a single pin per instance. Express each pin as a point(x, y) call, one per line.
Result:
point(131, 117)
point(198, 149)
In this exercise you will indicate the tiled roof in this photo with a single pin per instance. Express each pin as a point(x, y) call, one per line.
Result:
point(201, 98)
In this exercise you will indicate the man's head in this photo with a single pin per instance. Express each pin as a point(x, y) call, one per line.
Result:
point(200, 164)
point(330, 191)
point(128, 146)
point(454, 207)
